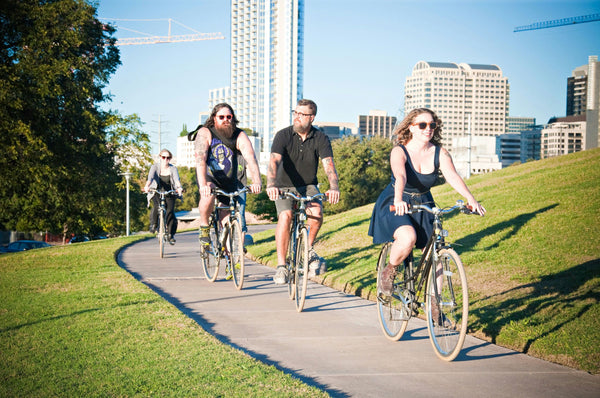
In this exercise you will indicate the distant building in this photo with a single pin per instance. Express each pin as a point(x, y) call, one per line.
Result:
point(519, 147)
point(516, 124)
point(376, 124)
point(482, 156)
point(531, 144)
point(457, 92)
point(336, 130)
point(562, 136)
point(508, 148)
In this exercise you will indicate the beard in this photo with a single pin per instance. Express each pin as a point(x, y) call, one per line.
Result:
point(301, 128)
point(225, 130)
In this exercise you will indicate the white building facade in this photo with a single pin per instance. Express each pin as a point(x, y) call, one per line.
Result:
point(457, 93)
point(267, 58)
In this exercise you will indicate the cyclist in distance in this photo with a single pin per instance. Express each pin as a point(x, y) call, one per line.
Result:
point(216, 148)
point(163, 176)
point(293, 165)
point(415, 161)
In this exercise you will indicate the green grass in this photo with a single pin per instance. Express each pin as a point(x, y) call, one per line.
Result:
point(73, 323)
point(533, 262)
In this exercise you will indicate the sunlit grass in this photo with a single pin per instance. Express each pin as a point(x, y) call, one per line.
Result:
point(533, 263)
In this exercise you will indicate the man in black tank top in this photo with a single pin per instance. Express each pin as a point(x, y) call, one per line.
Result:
point(216, 149)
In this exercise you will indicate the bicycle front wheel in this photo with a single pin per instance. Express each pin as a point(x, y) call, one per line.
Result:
point(291, 266)
point(211, 257)
point(447, 305)
point(393, 314)
point(301, 272)
point(161, 233)
point(237, 254)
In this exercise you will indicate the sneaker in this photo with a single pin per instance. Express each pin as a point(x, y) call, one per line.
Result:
point(314, 261)
point(152, 229)
point(281, 275)
point(204, 236)
point(387, 279)
point(171, 240)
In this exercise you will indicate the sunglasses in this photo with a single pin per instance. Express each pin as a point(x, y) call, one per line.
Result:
point(221, 117)
point(423, 125)
point(166, 157)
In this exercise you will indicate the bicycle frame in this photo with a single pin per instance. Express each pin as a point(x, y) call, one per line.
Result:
point(224, 245)
point(162, 219)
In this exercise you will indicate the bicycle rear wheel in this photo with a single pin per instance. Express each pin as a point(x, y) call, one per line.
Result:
point(301, 273)
point(211, 257)
point(237, 254)
point(161, 233)
point(393, 314)
point(447, 305)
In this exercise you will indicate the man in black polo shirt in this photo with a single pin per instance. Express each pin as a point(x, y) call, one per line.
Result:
point(293, 166)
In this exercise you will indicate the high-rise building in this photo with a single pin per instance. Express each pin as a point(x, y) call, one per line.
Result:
point(516, 124)
point(459, 93)
point(583, 98)
point(267, 58)
point(376, 124)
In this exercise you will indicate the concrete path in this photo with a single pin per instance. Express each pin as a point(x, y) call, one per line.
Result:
point(336, 343)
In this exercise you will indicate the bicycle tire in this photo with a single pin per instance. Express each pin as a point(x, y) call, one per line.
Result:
point(447, 287)
point(211, 257)
point(237, 254)
point(301, 271)
point(161, 233)
point(393, 314)
point(290, 265)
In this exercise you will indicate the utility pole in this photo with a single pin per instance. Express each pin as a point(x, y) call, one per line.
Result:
point(469, 148)
point(127, 177)
point(159, 133)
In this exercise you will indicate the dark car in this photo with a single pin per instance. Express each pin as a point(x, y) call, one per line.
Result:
point(22, 245)
point(79, 238)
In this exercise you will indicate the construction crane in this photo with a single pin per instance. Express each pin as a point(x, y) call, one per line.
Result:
point(559, 22)
point(152, 39)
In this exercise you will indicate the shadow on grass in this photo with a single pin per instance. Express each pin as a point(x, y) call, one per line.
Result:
point(564, 292)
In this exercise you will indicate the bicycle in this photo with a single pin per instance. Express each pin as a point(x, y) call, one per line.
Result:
point(444, 286)
point(162, 234)
point(297, 252)
point(226, 241)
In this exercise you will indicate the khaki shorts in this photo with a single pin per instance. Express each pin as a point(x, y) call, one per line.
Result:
point(286, 204)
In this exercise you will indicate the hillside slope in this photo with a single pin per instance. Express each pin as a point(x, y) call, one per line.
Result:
point(533, 262)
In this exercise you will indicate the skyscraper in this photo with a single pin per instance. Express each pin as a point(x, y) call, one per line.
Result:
point(459, 91)
point(583, 98)
point(266, 66)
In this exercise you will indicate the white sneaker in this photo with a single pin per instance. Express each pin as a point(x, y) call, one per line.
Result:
point(281, 275)
point(314, 261)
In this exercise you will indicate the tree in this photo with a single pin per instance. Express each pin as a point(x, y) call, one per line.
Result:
point(363, 168)
point(57, 164)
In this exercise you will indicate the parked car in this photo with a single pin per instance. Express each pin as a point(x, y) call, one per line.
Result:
point(22, 245)
point(79, 238)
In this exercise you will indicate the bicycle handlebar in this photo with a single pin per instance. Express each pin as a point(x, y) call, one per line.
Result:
point(162, 192)
point(466, 209)
point(219, 191)
point(303, 198)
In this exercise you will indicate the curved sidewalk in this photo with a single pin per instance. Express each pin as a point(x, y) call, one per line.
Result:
point(336, 342)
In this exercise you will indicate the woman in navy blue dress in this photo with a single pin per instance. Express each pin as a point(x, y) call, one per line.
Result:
point(415, 162)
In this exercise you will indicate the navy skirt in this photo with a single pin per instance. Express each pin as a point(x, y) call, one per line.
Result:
point(384, 222)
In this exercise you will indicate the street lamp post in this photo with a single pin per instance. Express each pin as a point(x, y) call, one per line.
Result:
point(127, 177)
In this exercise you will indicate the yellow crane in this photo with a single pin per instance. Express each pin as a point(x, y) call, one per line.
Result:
point(559, 22)
point(153, 39)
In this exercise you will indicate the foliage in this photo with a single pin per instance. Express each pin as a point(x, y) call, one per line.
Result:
point(191, 195)
point(363, 168)
point(57, 164)
point(533, 277)
point(260, 204)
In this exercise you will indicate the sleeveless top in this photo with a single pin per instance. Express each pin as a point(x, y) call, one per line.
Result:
point(222, 162)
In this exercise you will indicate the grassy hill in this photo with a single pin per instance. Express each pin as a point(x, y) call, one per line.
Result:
point(533, 262)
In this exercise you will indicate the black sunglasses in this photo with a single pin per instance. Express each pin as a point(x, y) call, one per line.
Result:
point(423, 125)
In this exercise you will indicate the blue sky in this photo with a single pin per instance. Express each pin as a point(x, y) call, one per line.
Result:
point(357, 54)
